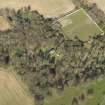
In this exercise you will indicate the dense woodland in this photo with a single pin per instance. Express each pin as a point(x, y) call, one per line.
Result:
point(39, 52)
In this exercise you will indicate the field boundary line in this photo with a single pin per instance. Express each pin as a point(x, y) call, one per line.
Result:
point(86, 15)
point(74, 12)
point(92, 20)
point(68, 14)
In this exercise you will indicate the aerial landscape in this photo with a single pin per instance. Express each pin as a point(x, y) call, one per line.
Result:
point(52, 52)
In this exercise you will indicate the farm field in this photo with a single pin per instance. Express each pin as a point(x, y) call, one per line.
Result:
point(80, 24)
point(49, 8)
point(97, 98)
point(100, 3)
point(12, 91)
point(46, 7)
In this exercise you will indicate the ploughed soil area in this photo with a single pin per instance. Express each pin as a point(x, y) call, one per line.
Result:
point(46, 7)
point(12, 91)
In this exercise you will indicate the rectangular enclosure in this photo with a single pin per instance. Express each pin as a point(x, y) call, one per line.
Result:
point(80, 24)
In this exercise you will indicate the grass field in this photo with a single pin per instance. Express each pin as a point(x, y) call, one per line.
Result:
point(98, 87)
point(80, 24)
point(12, 91)
point(45, 7)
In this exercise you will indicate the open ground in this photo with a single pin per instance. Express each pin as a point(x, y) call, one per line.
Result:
point(12, 90)
point(49, 8)
point(46, 7)
point(4, 25)
point(100, 3)
point(80, 24)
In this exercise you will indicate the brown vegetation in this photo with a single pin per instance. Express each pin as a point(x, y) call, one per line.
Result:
point(100, 3)
point(4, 25)
point(44, 58)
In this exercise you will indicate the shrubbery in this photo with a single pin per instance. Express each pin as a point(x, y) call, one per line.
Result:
point(39, 52)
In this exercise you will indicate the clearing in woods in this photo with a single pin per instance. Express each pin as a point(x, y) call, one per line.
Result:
point(4, 25)
point(80, 24)
point(12, 91)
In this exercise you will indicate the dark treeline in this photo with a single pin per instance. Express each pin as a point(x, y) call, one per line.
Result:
point(41, 55)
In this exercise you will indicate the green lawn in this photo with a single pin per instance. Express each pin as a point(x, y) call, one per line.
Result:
point(70, 92)
point(79, 24)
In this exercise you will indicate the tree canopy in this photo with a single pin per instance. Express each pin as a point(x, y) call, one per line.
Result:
point(38, 50)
